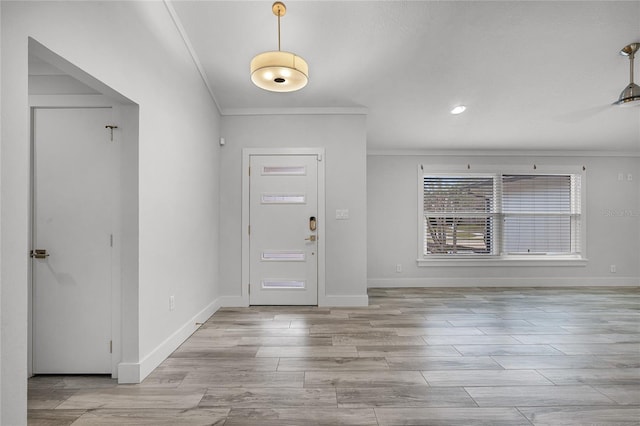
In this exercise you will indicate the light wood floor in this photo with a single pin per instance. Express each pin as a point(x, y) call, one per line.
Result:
point(413, 357)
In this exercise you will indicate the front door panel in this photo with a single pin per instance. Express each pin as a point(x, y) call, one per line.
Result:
point(283, 230)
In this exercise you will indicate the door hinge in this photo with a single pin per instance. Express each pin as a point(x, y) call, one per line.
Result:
point(249, 170)
point(249, 229)
point(249, 288)
point(111, 240)
point(110, 346)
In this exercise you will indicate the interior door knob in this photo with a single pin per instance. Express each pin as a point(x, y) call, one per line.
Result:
point(311, 238)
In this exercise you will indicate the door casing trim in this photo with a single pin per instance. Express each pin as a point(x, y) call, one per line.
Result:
point(322, 217)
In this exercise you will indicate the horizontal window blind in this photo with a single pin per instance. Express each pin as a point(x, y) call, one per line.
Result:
point(540, 214)
point(458, 214)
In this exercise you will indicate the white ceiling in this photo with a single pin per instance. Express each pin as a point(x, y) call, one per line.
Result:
point(537, 75)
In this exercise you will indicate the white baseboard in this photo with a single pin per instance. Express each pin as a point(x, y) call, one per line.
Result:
point(505, 282)
point(344, 301)
point(131, 372)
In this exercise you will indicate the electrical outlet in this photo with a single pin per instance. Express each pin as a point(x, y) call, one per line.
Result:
point(620, 176)
point(613, 269)
point(172, 303)
point(629, 177)
point(399, 267)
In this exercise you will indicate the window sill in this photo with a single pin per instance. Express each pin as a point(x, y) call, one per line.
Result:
point(504, 261)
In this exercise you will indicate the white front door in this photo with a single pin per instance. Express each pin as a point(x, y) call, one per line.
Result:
point(284, 221)
point(74, 160)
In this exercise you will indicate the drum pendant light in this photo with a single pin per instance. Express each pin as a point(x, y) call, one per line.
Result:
point(278, 71)
point(630, 96)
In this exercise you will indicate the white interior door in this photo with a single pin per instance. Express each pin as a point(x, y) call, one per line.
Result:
point(74, 161)
point(283, 217)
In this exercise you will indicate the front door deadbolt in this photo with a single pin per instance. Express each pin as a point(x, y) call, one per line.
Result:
point(39, 254)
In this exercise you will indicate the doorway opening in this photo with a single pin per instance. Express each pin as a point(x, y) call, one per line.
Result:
point(84, 223)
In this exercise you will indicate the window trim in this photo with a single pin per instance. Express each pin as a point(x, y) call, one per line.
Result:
point(579, 259)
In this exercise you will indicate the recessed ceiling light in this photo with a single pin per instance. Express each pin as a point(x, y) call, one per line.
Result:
point(458, 110)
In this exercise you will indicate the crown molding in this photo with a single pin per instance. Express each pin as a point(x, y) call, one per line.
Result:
point(194, 56)
point(501, 153)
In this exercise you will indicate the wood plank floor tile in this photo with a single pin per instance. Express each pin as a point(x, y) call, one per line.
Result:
point(164, 378)
point(251, 332)
point(190, 417)
point(306, 351)
point(50, 417)
point(382, 340)
point(583, 415)
point(491, 350)
point(217, 352)
point(517, 362)
point(245, 324)
point(307, 417)
point(378, 351)
point(269, 397)
point(403, 396)
point(356, 379)
point(442, 363)
point(622, 394)
point(178, 364)
point(524, 330)
point(598, 348)
point(72, 382)
point(591, 376)
point(285, 341)
point(47, 398)
point(620, 361)
point(133, 397)
point(471, 340)
point(333, 364)
point(475, 322)
point(485, 378)
point(438, 331)
point(338, 329)
point(536, 396)
point(562, 338)
point(222, 379)
point(450, 417)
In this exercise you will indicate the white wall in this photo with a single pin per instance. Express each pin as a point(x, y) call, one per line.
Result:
point(134, 48)
point(393, 225)
point(344, 140)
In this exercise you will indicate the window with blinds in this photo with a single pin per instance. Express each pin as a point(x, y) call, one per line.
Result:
point(501, 215)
